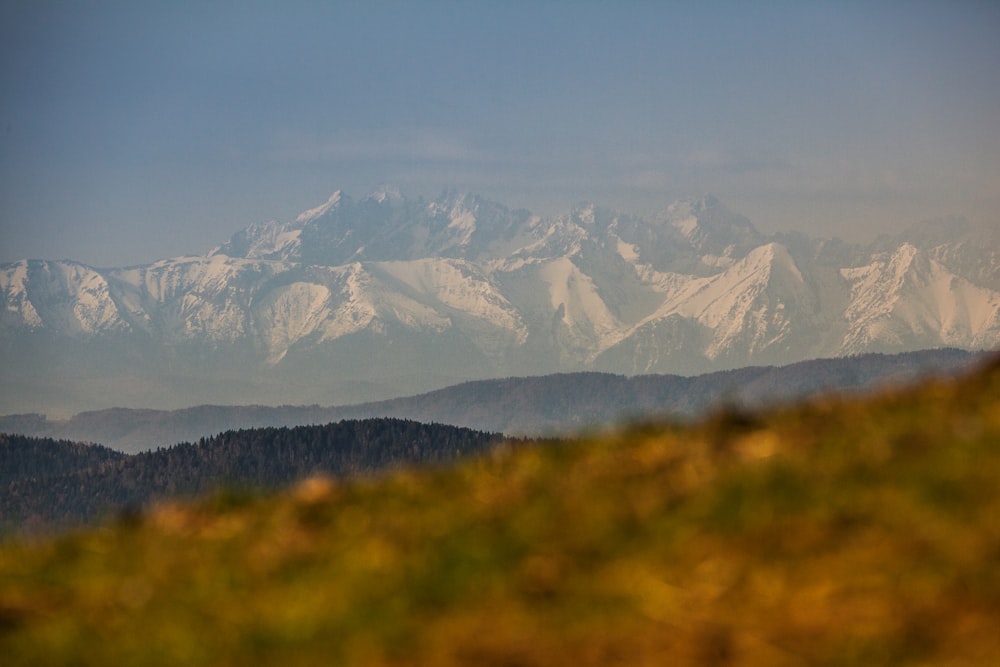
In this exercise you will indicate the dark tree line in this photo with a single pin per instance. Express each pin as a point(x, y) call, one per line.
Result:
point(49, 484)
point(24, 457)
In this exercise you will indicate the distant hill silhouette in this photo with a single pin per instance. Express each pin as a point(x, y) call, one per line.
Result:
point(542, 405)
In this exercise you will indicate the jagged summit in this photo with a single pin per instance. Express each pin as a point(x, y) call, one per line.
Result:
point(384, 226)
point(710, 227)
point(321, 210)
point(386, 193)
point(386, 295)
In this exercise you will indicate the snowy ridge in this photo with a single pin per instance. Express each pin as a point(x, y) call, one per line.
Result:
point(18, 309)
point(906, 297)
point(79, 298)
point(462, 286)
point(322, 209)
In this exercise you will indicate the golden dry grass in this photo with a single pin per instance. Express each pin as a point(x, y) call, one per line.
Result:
point(842, 532)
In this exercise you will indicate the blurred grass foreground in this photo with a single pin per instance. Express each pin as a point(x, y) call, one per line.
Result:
point(841, 532)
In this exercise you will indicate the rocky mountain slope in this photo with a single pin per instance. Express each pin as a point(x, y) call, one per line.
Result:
point(384, 296)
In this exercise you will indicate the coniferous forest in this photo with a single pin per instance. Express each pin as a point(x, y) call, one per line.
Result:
point(49, 484)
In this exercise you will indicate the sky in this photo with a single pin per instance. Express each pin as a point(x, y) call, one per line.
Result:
point(133, 131)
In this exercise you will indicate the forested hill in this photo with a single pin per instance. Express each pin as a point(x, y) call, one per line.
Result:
point(49, 484)
point(23, 458)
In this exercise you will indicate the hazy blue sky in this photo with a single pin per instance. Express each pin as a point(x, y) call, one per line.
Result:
point(131, 131)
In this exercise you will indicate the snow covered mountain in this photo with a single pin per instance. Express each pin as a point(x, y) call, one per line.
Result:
point(372, 298)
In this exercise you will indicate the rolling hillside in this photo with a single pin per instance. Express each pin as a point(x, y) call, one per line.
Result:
point(845, 531)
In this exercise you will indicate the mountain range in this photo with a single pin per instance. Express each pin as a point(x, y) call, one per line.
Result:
point(385, 296)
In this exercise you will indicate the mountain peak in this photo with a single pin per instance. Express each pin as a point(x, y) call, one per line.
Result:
point(322, 209)
point(586, 213)
point(709, 226)
point(386, 193)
